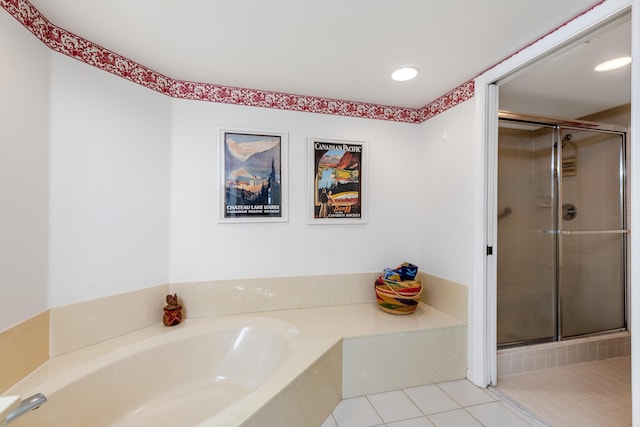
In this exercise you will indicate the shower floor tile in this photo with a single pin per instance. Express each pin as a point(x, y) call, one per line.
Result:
point(596, 393)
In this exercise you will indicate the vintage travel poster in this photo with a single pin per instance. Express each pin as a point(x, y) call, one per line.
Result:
point(337, 180)
point(253, 170)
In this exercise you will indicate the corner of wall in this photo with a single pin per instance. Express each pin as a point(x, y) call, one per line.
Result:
point(446, 295)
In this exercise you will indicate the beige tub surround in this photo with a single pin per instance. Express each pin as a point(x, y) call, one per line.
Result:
point(345, 346)
point(24, 348)
point(445, 295)
point(281, 293)
point(306, 400)
point(75, 326)
point(392, 361)
point(78, 325)
point(274, 293)
point(86, 373)
point(86, 323)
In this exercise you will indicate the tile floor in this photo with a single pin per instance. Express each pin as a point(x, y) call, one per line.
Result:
point(449, 404)
point(596, 393)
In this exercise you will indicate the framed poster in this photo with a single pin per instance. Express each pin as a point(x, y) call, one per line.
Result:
point(338, 173)
point(253, 176)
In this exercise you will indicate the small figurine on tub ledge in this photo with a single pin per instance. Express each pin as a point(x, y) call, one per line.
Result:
point(172, 311)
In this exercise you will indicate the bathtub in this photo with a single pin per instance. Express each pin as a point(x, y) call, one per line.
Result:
point(283, 367)
point(201, 372)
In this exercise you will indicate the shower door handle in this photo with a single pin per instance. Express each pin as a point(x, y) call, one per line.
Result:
point(587, 232)
point(584, 232)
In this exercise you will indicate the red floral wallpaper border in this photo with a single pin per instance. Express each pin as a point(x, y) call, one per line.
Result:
point(83, 50)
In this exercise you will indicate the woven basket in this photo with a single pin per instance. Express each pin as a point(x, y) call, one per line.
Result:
point(398, 297)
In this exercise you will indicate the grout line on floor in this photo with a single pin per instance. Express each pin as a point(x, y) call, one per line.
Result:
point(518, 408)
point(375, 410)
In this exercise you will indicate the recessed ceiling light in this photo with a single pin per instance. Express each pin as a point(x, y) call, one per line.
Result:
point(613, 64)
point(404, 74)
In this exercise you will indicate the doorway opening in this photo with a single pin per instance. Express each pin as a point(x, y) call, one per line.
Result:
point(508, 352)
point(491, 91)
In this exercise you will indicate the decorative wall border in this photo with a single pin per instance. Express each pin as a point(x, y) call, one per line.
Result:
point(66, 43)
point(290, 102)
point(450, 99)
point(83, 50)
point(76, 47)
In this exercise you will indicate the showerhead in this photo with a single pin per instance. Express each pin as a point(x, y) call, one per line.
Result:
point(565, 138)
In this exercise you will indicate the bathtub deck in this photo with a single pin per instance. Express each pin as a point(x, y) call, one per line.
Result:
point(380, 351)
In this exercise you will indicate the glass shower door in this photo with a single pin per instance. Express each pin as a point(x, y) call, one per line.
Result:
point(592, 232)
point(526, 248)
point(561, 247)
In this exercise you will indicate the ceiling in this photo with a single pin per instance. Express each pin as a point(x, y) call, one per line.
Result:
point(332, 49)
point(565, 85)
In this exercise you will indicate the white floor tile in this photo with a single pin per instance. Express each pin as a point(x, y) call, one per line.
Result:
point(465, 393)
point(430, 399)
point(329, 422)
point(356, 412)
point(405, 408)
point(456, 418)
point(414, 422)
point(394, 406)
point(496, 415)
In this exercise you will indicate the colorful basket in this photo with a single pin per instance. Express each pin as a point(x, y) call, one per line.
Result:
point(398, 297)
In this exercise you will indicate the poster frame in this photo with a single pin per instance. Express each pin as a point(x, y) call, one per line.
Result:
point(249, 215)
point(315, 147)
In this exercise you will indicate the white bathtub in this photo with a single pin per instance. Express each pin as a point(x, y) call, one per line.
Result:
point(181, 376)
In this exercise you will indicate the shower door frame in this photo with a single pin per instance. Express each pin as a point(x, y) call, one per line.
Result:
point(558, 126)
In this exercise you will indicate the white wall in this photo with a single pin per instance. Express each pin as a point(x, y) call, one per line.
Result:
point(110, 150)
point(446, 197)
point(132, 197)
point(203, 249)
point(24, 109)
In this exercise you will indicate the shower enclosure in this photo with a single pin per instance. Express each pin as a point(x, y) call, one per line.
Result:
point(562, 237)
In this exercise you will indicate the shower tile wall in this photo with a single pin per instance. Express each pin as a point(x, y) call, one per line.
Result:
point(520, 360)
